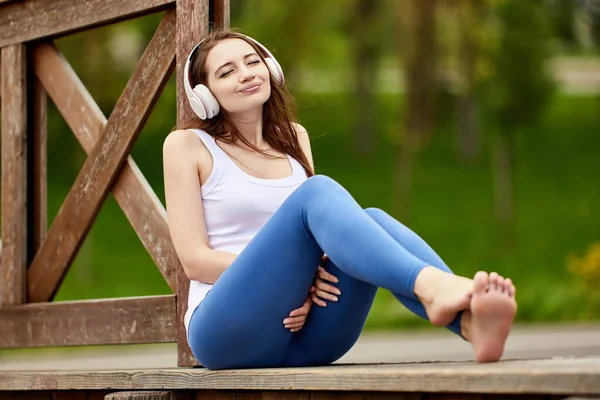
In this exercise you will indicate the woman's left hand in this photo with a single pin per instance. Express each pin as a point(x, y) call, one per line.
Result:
point(297, 318)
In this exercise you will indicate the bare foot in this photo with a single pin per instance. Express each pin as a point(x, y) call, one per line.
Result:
point(443, 294)
point(488, 321)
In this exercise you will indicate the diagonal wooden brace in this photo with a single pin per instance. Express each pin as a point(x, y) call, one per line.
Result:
point(101, 168)
point(132, 192)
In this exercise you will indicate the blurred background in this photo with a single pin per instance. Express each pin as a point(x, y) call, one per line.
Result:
point(474, 122)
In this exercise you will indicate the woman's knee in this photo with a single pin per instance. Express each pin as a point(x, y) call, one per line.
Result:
point(319, 185)
point(375, 212)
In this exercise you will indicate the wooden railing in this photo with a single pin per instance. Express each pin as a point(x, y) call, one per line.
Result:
point(34, 259)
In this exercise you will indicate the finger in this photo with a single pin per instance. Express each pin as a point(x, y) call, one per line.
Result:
point(312, 289)
point(294, 326)
point(297, 312)
point(323, 274)
point(326, 295)
point(325, 287)
point(324, 259)
point(318, 301)
point(294, 320)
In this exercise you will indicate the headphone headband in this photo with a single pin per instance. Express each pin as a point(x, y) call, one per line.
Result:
point(201, 100)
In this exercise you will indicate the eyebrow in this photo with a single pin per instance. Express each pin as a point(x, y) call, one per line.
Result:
point(229, 63)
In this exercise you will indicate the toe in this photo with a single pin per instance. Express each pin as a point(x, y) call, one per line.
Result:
point(508, 285)
point(480, 282)
point(501, 284)
point(494, 280)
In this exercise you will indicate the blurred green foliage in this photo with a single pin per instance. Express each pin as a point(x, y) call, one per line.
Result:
point(555, 160)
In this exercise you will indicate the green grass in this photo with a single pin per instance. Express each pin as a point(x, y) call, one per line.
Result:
point(556, 191)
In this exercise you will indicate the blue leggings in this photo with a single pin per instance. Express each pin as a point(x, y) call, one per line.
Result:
point(239, 324)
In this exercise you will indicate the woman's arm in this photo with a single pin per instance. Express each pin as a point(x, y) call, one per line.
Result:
point(183, 154)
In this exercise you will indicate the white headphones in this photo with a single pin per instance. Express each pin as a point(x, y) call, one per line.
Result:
point(202, 100)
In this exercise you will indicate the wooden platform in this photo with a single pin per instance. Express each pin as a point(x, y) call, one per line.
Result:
point(538, 378)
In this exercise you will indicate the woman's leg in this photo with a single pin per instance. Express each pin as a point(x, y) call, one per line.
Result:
point(239, 323)
point(417, 246)
point(329, 333)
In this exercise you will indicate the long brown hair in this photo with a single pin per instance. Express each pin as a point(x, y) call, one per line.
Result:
point(279, 111)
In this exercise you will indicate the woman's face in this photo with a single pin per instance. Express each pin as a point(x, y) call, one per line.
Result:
point(237, 76)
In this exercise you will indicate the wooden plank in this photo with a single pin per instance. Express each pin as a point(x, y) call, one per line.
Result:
point(97, 394)
point(14, 175)
point(101, 168)
point(132, 191)
point(139, 395)
point(23, 21)
point(192, 26)
point(73, 323)
point(70, 395)
point(222, 13)
point(39, 164)
point(25, 396)
point(216, 395)
point(286, 395)
point(331, 395)
point(569, 376)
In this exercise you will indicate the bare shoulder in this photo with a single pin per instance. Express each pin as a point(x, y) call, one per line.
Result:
point(303, 137)
point(300, 130)
point(180, 140)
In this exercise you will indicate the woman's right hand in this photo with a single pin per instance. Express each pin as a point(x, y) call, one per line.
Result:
point(321, 290)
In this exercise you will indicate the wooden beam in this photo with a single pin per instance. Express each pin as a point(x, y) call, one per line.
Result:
point(222, 17)
point(93, 322)
point(14, 175)
point(139, 395)
point(557, 376)
point(23, 21)
point(132, 191)
point(39, 167)
point(101, 168)
point(192, 26)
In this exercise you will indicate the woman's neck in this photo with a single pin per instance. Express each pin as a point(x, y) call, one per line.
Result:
point(251, 127)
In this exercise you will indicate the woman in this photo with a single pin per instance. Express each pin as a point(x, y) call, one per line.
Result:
point(251, 226)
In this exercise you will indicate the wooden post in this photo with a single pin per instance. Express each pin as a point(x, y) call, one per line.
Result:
point(192, 26)
point(14, 175)
point(38, 165)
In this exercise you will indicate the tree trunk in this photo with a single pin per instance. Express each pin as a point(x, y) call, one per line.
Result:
point(418, 19)
point(469, 135)
point(365, 71)
point(502, 170)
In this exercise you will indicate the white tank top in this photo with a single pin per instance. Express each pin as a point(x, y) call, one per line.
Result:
point(236, 206)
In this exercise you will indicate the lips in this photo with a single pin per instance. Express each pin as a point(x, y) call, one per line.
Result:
point(251, 87)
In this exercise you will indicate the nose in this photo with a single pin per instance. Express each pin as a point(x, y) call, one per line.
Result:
point(246, 74)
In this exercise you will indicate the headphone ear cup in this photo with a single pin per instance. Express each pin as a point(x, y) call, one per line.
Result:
point(209, 103)
point(275, 70)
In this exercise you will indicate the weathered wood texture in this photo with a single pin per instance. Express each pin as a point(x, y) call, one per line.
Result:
point(222, 15)
point(22, 21)
point(139, 395)
point(26, 395)
point(572, 376)
point(285, 395)
point(192, 26)
point(101, 168)
point(14, 175)
point(111, 321)
point(39, 163)
point(132, 191)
